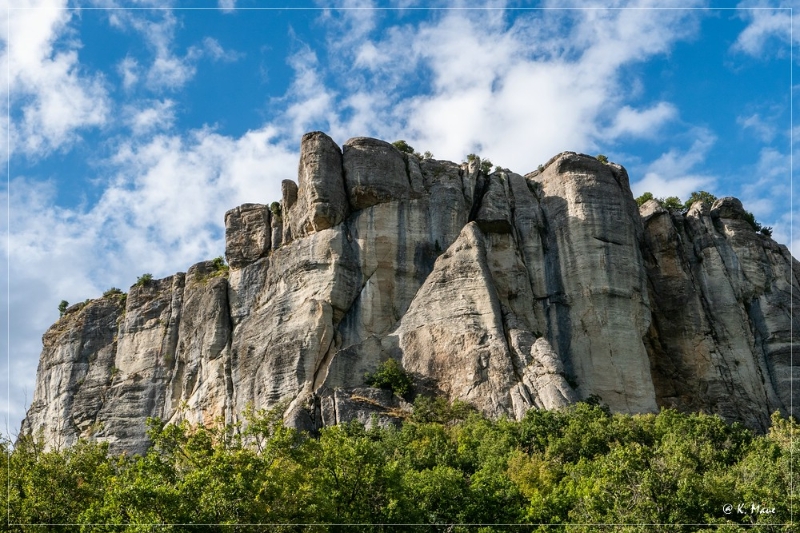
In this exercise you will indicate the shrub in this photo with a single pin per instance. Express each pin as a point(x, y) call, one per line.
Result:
point(706, 197)
point(275, 207)
point(644, 198)
point(766, 230)
point(472, 157)
point(541, 168)
point(671, 203)
point(144, 279)
point(427, 155)
point(751, 219)
point(403, 146)
point(603, 159)
point(62, 308)
point(220, 264)
point(486, 166)
point(113, 291)
point(391, 376)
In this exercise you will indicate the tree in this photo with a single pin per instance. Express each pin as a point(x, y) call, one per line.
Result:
point(144, 279)
point(671, 203)
point(390, 375)
point(603, 159)
point(640, 201)
point(403, 146)
point(62, 308)
point(700, 196)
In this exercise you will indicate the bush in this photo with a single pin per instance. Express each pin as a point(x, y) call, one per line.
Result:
point(751, 219)
point(767, 231)
point(144, 279)
point(391, 376)
point(403, 146)
point(644, 199)
point(427, 155)
point(671, 203)
point(706, 197)
point(486, 166)
point(62, 308)
point(603, 159)
point(113, 291)
point(219, 264)
point(275, 207)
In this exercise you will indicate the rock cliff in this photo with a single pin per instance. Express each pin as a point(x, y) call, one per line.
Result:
point(510, 292)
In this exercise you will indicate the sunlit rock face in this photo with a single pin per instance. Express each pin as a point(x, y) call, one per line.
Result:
point(506, 291)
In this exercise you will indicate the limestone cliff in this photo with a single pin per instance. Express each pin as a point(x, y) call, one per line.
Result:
point(510, 292)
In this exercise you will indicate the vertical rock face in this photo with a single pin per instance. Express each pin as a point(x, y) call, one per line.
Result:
point(595, 281)
point(321, 201)
point(143, 363)
point(510, 292)
point(248, 234)
point(374, 172)
point(721, 295)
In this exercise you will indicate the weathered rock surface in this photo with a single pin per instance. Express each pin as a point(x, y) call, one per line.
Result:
point(510, 292)
point(320, 201)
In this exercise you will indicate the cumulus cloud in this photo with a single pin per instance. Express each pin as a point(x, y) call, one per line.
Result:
point(766, 22)
point(53, 98)
point(162, 211)
point(675, 174)
point(216, 52)
point(152, 116)
point(470, 81)
point(764, 129)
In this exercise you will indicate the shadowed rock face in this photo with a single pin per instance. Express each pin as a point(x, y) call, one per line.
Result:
point(510, 292)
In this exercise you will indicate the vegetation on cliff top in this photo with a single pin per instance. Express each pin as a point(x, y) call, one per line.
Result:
point(446, 465)
point(674, 204)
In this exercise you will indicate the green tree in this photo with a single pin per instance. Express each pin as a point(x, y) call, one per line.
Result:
point(144, 279)
point(603, 159)
point(403, 146)
point(671, 203)
point(62, 308)
point(640, 201)
point(391, 375)
point(700, 196)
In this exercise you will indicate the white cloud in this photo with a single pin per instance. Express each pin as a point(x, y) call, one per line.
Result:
point(309, 100)
point(162, 211)
point(214, 50)
point(765, 25)
point(770, 179)
point(764, 130)
point(673, 173)
point(153, 116)
point(128, 69)
point(52, 97)
point(227, 6)
point(167, 70)
point(643, 123)
point(494, 83)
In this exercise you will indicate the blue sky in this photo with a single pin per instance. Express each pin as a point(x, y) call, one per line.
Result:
point(132, 131)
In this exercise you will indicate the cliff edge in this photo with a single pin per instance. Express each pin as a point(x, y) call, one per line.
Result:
point(506, 291)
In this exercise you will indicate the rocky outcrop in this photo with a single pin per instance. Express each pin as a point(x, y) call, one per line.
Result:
point(721, 296)
point(510, 292)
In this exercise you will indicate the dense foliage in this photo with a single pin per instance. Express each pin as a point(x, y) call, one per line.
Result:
point(446, 465)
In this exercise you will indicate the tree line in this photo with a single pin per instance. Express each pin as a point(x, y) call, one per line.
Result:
point(446, 467)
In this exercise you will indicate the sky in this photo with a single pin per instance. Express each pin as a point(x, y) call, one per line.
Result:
point(131, 127)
